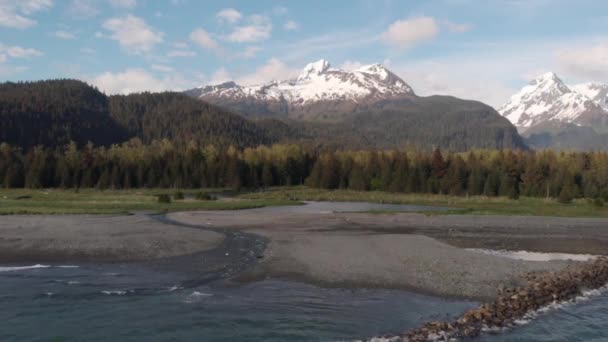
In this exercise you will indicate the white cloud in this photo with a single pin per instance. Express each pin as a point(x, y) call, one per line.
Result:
point(14, 52)
point(163, 68)
point(274, 69)
point(220, 76)
point(7, 70)
point(180, 45)
point(229, 15)
point(258, 29)
point(250, 52)
point(181, 53)
point(405, 33)
point(453, 77)
point(14, 13)
point(291, 25)
point(83, 9)
point(61, 34)
point(133, 34)
point(138, 80)
point(351, 65)
point(18, 52)
point(456, 27)
point(308, 49)
point(589, 62)
point(123, 3)
point(203, 39)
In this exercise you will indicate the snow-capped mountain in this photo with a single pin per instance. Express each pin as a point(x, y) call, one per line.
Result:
point(318, 89)
point(596, 91)
point(546, 99)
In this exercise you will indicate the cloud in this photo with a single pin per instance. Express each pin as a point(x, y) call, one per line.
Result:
point(133, 34)
point(585, 61)
point(163, 68)
point(250, 52)
point(138, 80)
point(83, 9)
point(457, 28)
point(14, 13)
point(14, 52)
point(351, 65)
point(229, 15)
point(220, 76)
point(406, 33)
point(453, 77)
point(304, 50)
point(258, 29)
point(63, 35)
point(123, 3)
point(291, 25)
point(274, 69)
point(181, 53)
point(18, 52)
point(203, 39)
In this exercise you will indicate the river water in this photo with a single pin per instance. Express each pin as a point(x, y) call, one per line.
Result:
point(130, 303)
point(144, 302)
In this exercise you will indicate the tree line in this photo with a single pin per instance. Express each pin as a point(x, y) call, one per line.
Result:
point(163, 164)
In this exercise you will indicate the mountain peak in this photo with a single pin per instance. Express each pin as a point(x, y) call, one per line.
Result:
point(317, 84)
point(314, 69)
point(375, 69)
point(547, 99)
point(548, 76)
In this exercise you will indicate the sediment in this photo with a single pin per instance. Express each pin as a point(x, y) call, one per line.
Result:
point(514, 303)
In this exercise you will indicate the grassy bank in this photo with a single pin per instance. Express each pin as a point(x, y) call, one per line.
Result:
point(89, 201)
point(477, 205)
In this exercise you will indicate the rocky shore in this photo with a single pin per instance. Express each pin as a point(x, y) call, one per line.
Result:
point(514, 303)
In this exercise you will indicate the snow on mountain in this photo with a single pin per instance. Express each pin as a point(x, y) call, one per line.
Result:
point(596, 91)
point(317, 82)
point(547, 98)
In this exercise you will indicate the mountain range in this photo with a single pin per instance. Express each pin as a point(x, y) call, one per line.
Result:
point(324, 107)
point(362, 108)
point(551, 114)
point(320, 92)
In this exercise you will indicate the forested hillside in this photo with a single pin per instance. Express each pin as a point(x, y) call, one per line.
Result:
point(53, 113)
point(182, 119)
point(163, 164)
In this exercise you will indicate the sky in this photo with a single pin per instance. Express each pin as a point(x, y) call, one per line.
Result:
point(475, 49)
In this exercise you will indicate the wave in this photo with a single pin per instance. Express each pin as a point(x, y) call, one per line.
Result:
point(174, 288)
point(196, 296)
point(32, 267)
point(19, 268)
point(117, 292)
point(532, 315)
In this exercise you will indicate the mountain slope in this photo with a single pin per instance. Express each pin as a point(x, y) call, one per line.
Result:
point(595, 91)
point(55, 112)
point(441, 121)
point(548, 99)
point(319, 92)
point(179, 118)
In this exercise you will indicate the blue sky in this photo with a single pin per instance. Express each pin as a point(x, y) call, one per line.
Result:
point(475, 49)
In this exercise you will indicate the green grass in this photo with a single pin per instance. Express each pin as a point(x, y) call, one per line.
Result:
point(474, 205)
point(90, 201)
